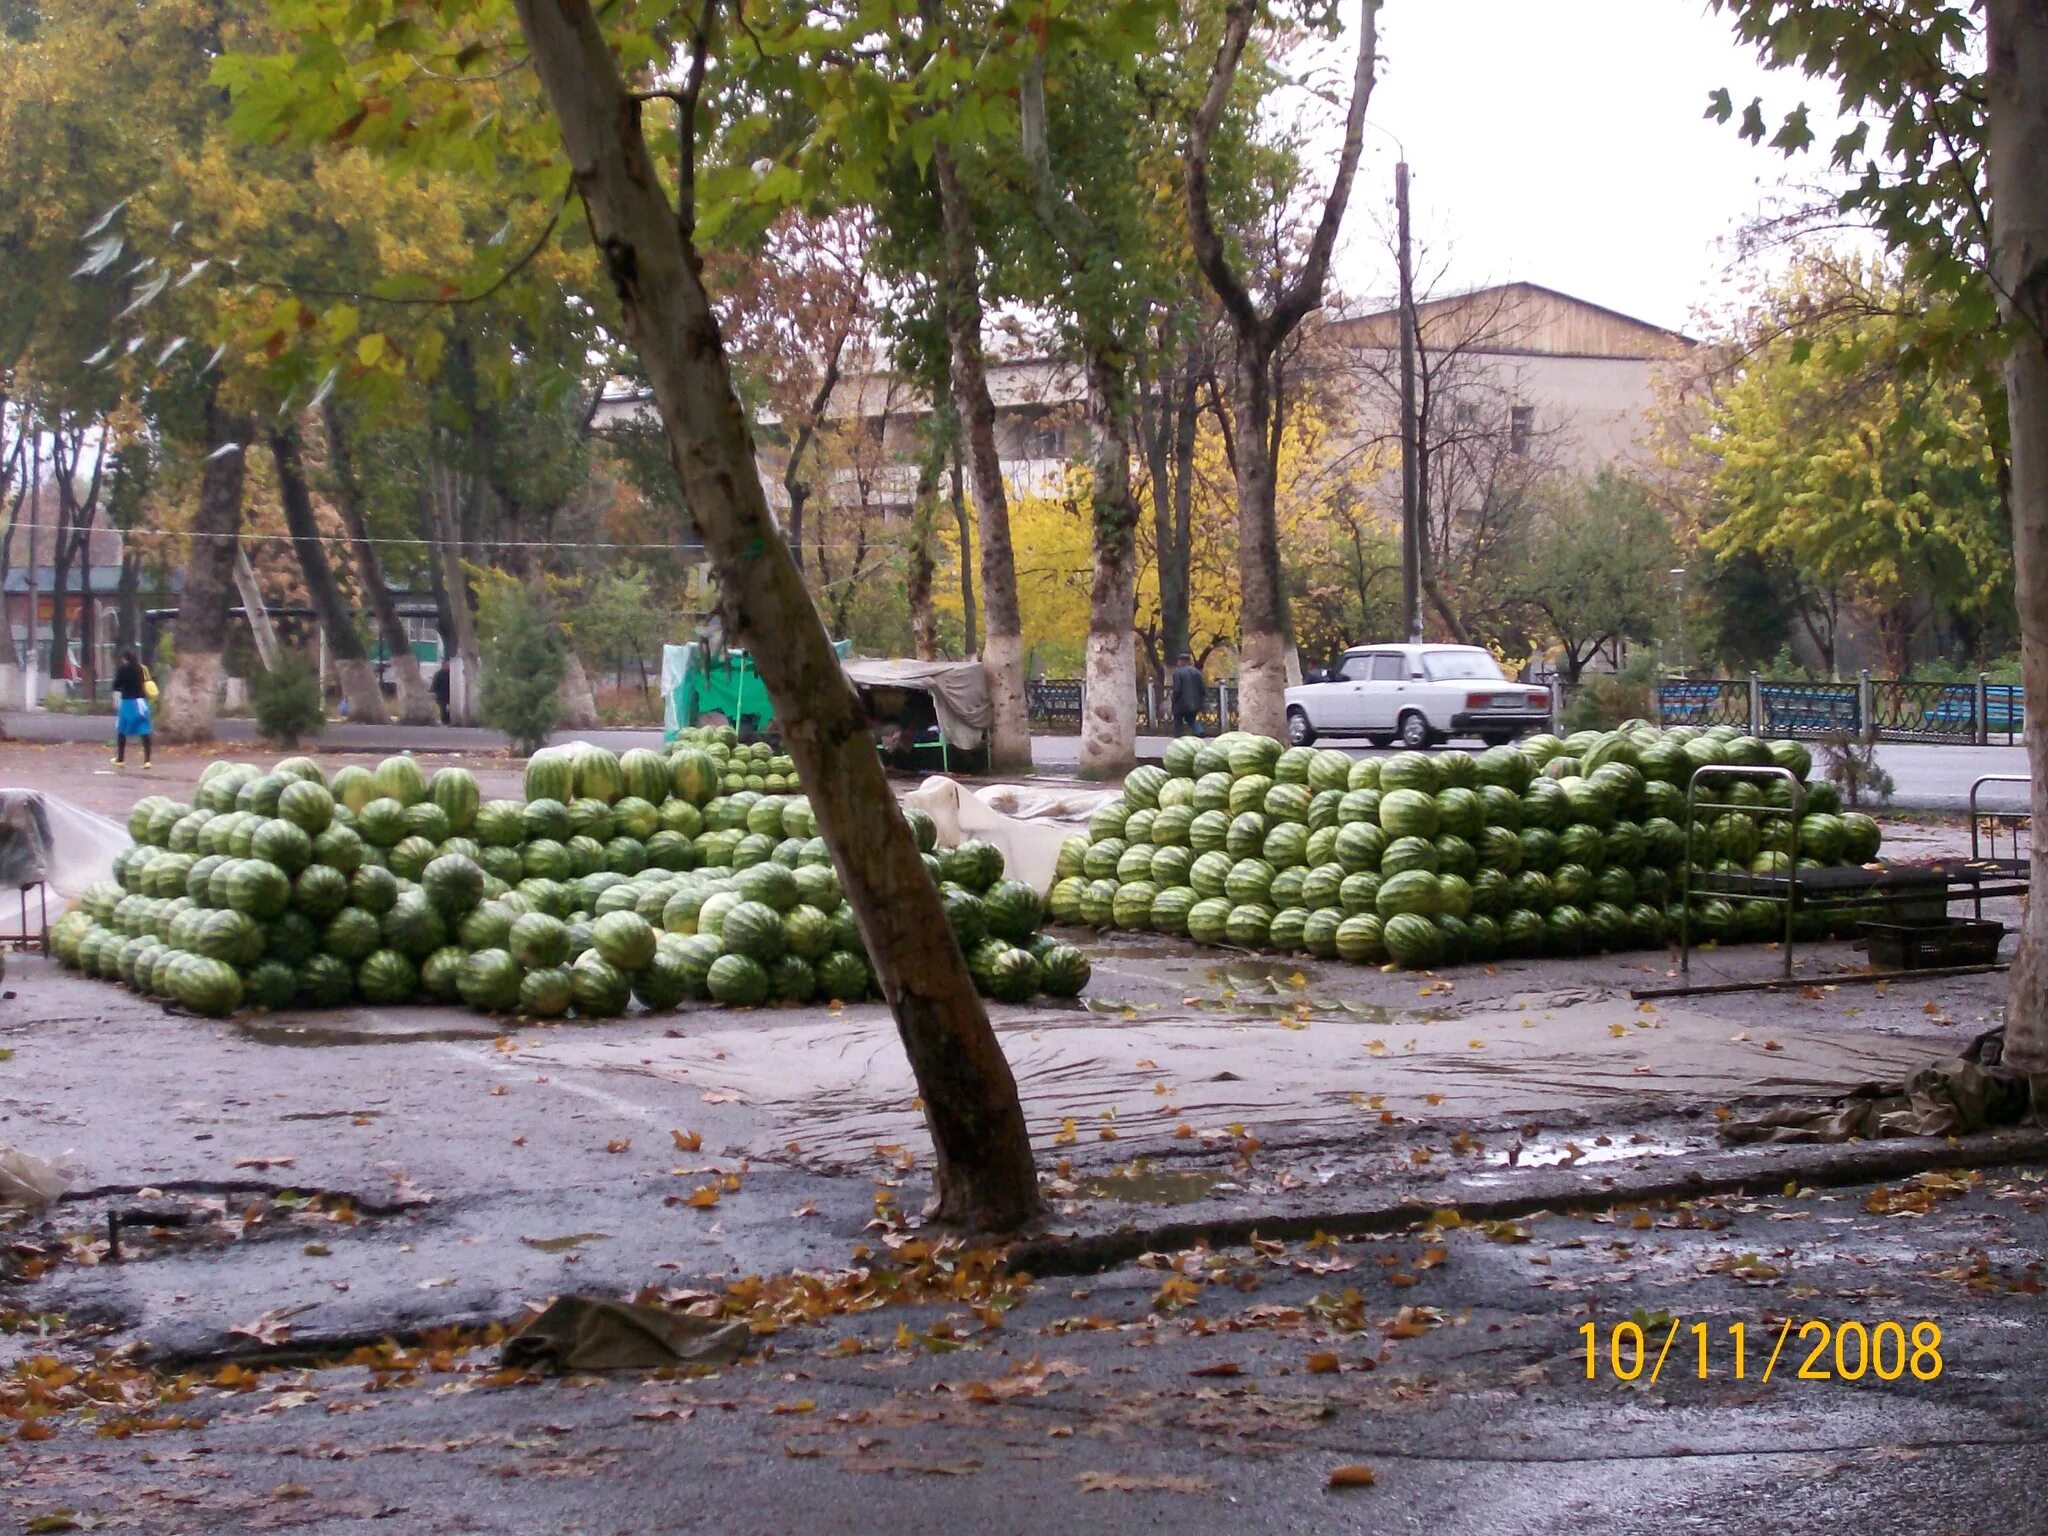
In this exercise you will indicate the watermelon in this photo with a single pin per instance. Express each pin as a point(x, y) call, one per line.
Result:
point(1359, 939)
point(1285, 931)
point(599, 989)
point(1460, 811)
point(1286, 845)
point(1248, 925)
point(844, 976)
point(1063, 901)
point(1210, 873)
point(1359, 893)
point(1410, 770)
point(1171, 826)
point(429, 821)
point(413, 927)
point(1861, 836)
point(1412, 941)
point(538, 940)
point(260, 889)
point(769, 883)
point(387, 978)
point(409, 859)
point(1250, 880)
point(382, 822)
point(206, 986)
point(1360, 845)
point(1063, 970)
point(807, 932)
point(1492, 892)
point(1409, 853)
point(1208, 919)
point(1287, 886)
point(1130, 908)
point(1408, 813)
point(1572, 884)
point(1247, 835)
point(1249, 794)
point(1142, 786)
point(1135, 863)
point(1413, 891)
point(625, 940)
point(291, 939)
point(1455, 856)
point(692, 776)
point(453, 884)
point(1285, 802)
point(546, 993)
point(737, 981)
point(306, 804)
point(1454, 897)
point(1013, 910)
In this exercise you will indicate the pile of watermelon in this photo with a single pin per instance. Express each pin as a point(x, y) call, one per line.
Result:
point(1546, 847)
point(694, 874)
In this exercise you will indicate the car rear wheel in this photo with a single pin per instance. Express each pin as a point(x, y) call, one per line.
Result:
point(1415, 731)
point(1380, 739)
point(1497, 738)
point(1299, 732)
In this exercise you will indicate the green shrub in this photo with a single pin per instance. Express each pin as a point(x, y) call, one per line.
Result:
point(288, 701)
point(524, 659)
point(1603, 702)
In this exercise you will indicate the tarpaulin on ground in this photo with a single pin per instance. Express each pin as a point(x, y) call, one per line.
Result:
point(595, 1333)
point(958, 691)
point(1026, 824)
point(1954, 1096)
point(51, 840)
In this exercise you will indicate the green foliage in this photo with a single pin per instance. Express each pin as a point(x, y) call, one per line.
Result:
point(1605, 701)
point(1599, 569)
point(287, 700)
point(1850, 763)
point(524, 660)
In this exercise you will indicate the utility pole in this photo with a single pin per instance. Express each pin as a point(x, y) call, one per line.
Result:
point(1411, 448)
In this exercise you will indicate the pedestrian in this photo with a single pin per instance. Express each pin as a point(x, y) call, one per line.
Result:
point(134, 692)
point(441, 683)
point(1189, 690)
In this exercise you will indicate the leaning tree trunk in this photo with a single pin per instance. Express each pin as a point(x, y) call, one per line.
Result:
point(982, 1173)
point(455, 613)
point(1109, 719)
point(2017, 78)
point(201, 630)
point(352, 667)
point(963, 528)
point(1262, 622)
point(1002, 649)
point(578, 698)
point(415, 698)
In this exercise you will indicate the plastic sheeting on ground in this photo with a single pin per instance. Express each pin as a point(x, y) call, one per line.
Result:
point(1026, 823)
point(45, 838)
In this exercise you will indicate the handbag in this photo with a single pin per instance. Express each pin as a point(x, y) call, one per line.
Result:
point(148, 686)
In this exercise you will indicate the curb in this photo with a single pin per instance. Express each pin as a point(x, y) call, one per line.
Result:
point(1087, 1253)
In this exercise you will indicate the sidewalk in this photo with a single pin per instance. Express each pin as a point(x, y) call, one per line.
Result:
point(1929, 778)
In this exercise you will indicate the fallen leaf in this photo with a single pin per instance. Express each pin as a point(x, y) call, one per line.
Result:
point(1132, 1482)
point(619, 1144)
point(265, 1162)
point(1323, 1363)
point(1220, 1368)
point(1352, 1474)
point(688, 1141)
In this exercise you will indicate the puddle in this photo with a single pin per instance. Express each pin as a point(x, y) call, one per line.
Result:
point(321, 1034)
point(1151, 1186)
point(334, 1114)
point(1581, 1152)
point(566, 1243)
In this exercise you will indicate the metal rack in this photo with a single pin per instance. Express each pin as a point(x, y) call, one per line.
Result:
point(1753, 888)
point(2016, 867)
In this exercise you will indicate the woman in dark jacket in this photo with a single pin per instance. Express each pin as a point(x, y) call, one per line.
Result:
point(131, 707)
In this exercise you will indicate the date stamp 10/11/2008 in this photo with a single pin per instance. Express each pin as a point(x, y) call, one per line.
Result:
point(1814, 1349)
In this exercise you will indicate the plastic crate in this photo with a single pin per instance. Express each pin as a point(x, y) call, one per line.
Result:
point(1932, 944)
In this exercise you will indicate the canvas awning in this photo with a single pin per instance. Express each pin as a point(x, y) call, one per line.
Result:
point(958, 691)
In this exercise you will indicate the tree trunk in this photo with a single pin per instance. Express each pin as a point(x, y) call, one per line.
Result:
point(982, 1174)
point(201, 629)
point(1002, 649)
point(2017, 156)
point(1109, 719)
point(924, 539)
point(345, 651)
point(970, 619)
point(579, 700)
point(128, 612)
point(415, 699)
point(1262, 625)
point(60, 581)
point(455, 613)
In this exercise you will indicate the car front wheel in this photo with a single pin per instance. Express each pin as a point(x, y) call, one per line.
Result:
point(1299, 732)
point(1415, 731)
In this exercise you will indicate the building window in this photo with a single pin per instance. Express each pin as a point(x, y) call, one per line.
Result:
point(1045, 439)
point(1521, 428)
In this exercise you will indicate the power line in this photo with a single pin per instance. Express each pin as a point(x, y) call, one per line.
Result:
point(675, 547)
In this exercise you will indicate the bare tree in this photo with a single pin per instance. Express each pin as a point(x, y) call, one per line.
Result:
point(1259, 329)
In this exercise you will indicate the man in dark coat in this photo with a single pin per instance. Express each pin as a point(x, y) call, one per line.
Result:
point(1190, 689)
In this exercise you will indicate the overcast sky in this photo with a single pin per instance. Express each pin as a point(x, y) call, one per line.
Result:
point(1562, 142)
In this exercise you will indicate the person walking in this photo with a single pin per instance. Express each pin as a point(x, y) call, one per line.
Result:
point(441, 687)
point(1190, 688)
point(134, 691)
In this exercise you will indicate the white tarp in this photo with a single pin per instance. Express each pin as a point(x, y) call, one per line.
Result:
point(74, 847)
point(1026, 823)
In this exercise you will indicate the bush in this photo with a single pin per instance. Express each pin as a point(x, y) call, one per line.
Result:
point(524, 659)
point(1850, 764)
point(1603, 702)
point(288, 701)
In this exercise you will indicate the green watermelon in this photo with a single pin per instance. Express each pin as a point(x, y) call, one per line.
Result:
point(1409, 853)
point(1013, 910)
point(1209, 919)
point(625, 940)
point(737, 981)
point(844, 976)
point(1412, 891)
point(387, 978)
point(1861, 837)
point(1248, 925)
point(598, 988)
point(1063, 901)
point(306, 804)
point(967, 917)
point(453, 884)
point(1412, 941)
point(1246, 836)
point(1408, 813)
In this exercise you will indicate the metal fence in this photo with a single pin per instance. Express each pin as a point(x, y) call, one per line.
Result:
point(1889, 709)
point(1054, 706)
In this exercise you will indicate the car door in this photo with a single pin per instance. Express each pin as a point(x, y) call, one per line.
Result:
point(1379, 695)
point(1338, 703)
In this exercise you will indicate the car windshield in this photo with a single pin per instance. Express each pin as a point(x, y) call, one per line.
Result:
point(1453, 666)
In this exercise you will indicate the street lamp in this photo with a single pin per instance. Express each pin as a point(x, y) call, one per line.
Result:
point(1678, 611)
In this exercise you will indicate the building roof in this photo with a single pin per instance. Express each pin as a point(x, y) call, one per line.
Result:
point(1520, 319)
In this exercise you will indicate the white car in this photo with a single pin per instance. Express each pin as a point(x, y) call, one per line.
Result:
point(1416, 695)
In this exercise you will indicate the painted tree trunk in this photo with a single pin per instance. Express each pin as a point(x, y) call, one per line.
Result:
point(1002, 648)
point(441, 508)
point(579, 699)
point(2017, 78)
point(351, 663)
point(924, 541)
point(1109, 718)
point(1262, 643)
point(963, 527)
point(200, 632)
point(415, 699)
point(255, 612)
point(982, 1173)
